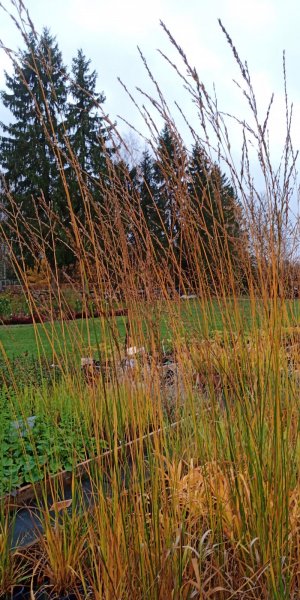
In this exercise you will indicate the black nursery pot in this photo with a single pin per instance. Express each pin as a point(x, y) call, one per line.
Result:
point(20, 592)
point(43, 595)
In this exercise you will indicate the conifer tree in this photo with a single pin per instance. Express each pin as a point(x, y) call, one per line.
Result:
point(170, 181)
point(88, 136)
point(214, 215)
point(149, 196)
point(36, 95)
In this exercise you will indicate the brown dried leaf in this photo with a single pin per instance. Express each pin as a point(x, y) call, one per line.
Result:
point(62, 505)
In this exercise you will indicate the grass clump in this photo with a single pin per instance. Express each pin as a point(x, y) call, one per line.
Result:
point(186, 428)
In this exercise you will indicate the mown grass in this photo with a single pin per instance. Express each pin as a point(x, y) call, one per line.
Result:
point(51, 339)
point(81, 336)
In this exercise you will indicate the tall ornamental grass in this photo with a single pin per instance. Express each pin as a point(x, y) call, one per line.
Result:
point(194, 485)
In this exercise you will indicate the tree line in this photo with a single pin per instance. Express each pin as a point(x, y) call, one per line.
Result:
point(61, 169)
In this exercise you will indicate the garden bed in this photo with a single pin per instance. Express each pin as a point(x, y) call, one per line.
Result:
point(30, 319)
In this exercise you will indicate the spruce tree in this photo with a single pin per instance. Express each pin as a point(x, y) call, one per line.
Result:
point(88, 136)
point(169, 178)
point(214, 218)
point(36, 96)
point(148, 198)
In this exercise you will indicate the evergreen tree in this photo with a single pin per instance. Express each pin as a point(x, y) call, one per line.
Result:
point(148, 197)
point(170, 181)
point(88, 136)
point(36, 96)
point(214, 218)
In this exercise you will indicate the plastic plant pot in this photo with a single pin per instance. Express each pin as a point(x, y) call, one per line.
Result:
point(20, 592)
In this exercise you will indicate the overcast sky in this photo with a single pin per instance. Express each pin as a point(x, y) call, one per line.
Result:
point(109, 32)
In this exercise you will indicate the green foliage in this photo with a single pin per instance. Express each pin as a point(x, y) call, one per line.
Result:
point(87, 133)
point(5, 306)
point(189, 209)
point(214, 221)
point(59, 138)
point(169, 176)
point(36, 96)
point(13, 304)
point(147, 191)
point(25, 370)
point(57, 132)
point(58, 440)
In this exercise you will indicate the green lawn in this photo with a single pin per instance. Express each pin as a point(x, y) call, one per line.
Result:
point(71, 336)
point(74, 337)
